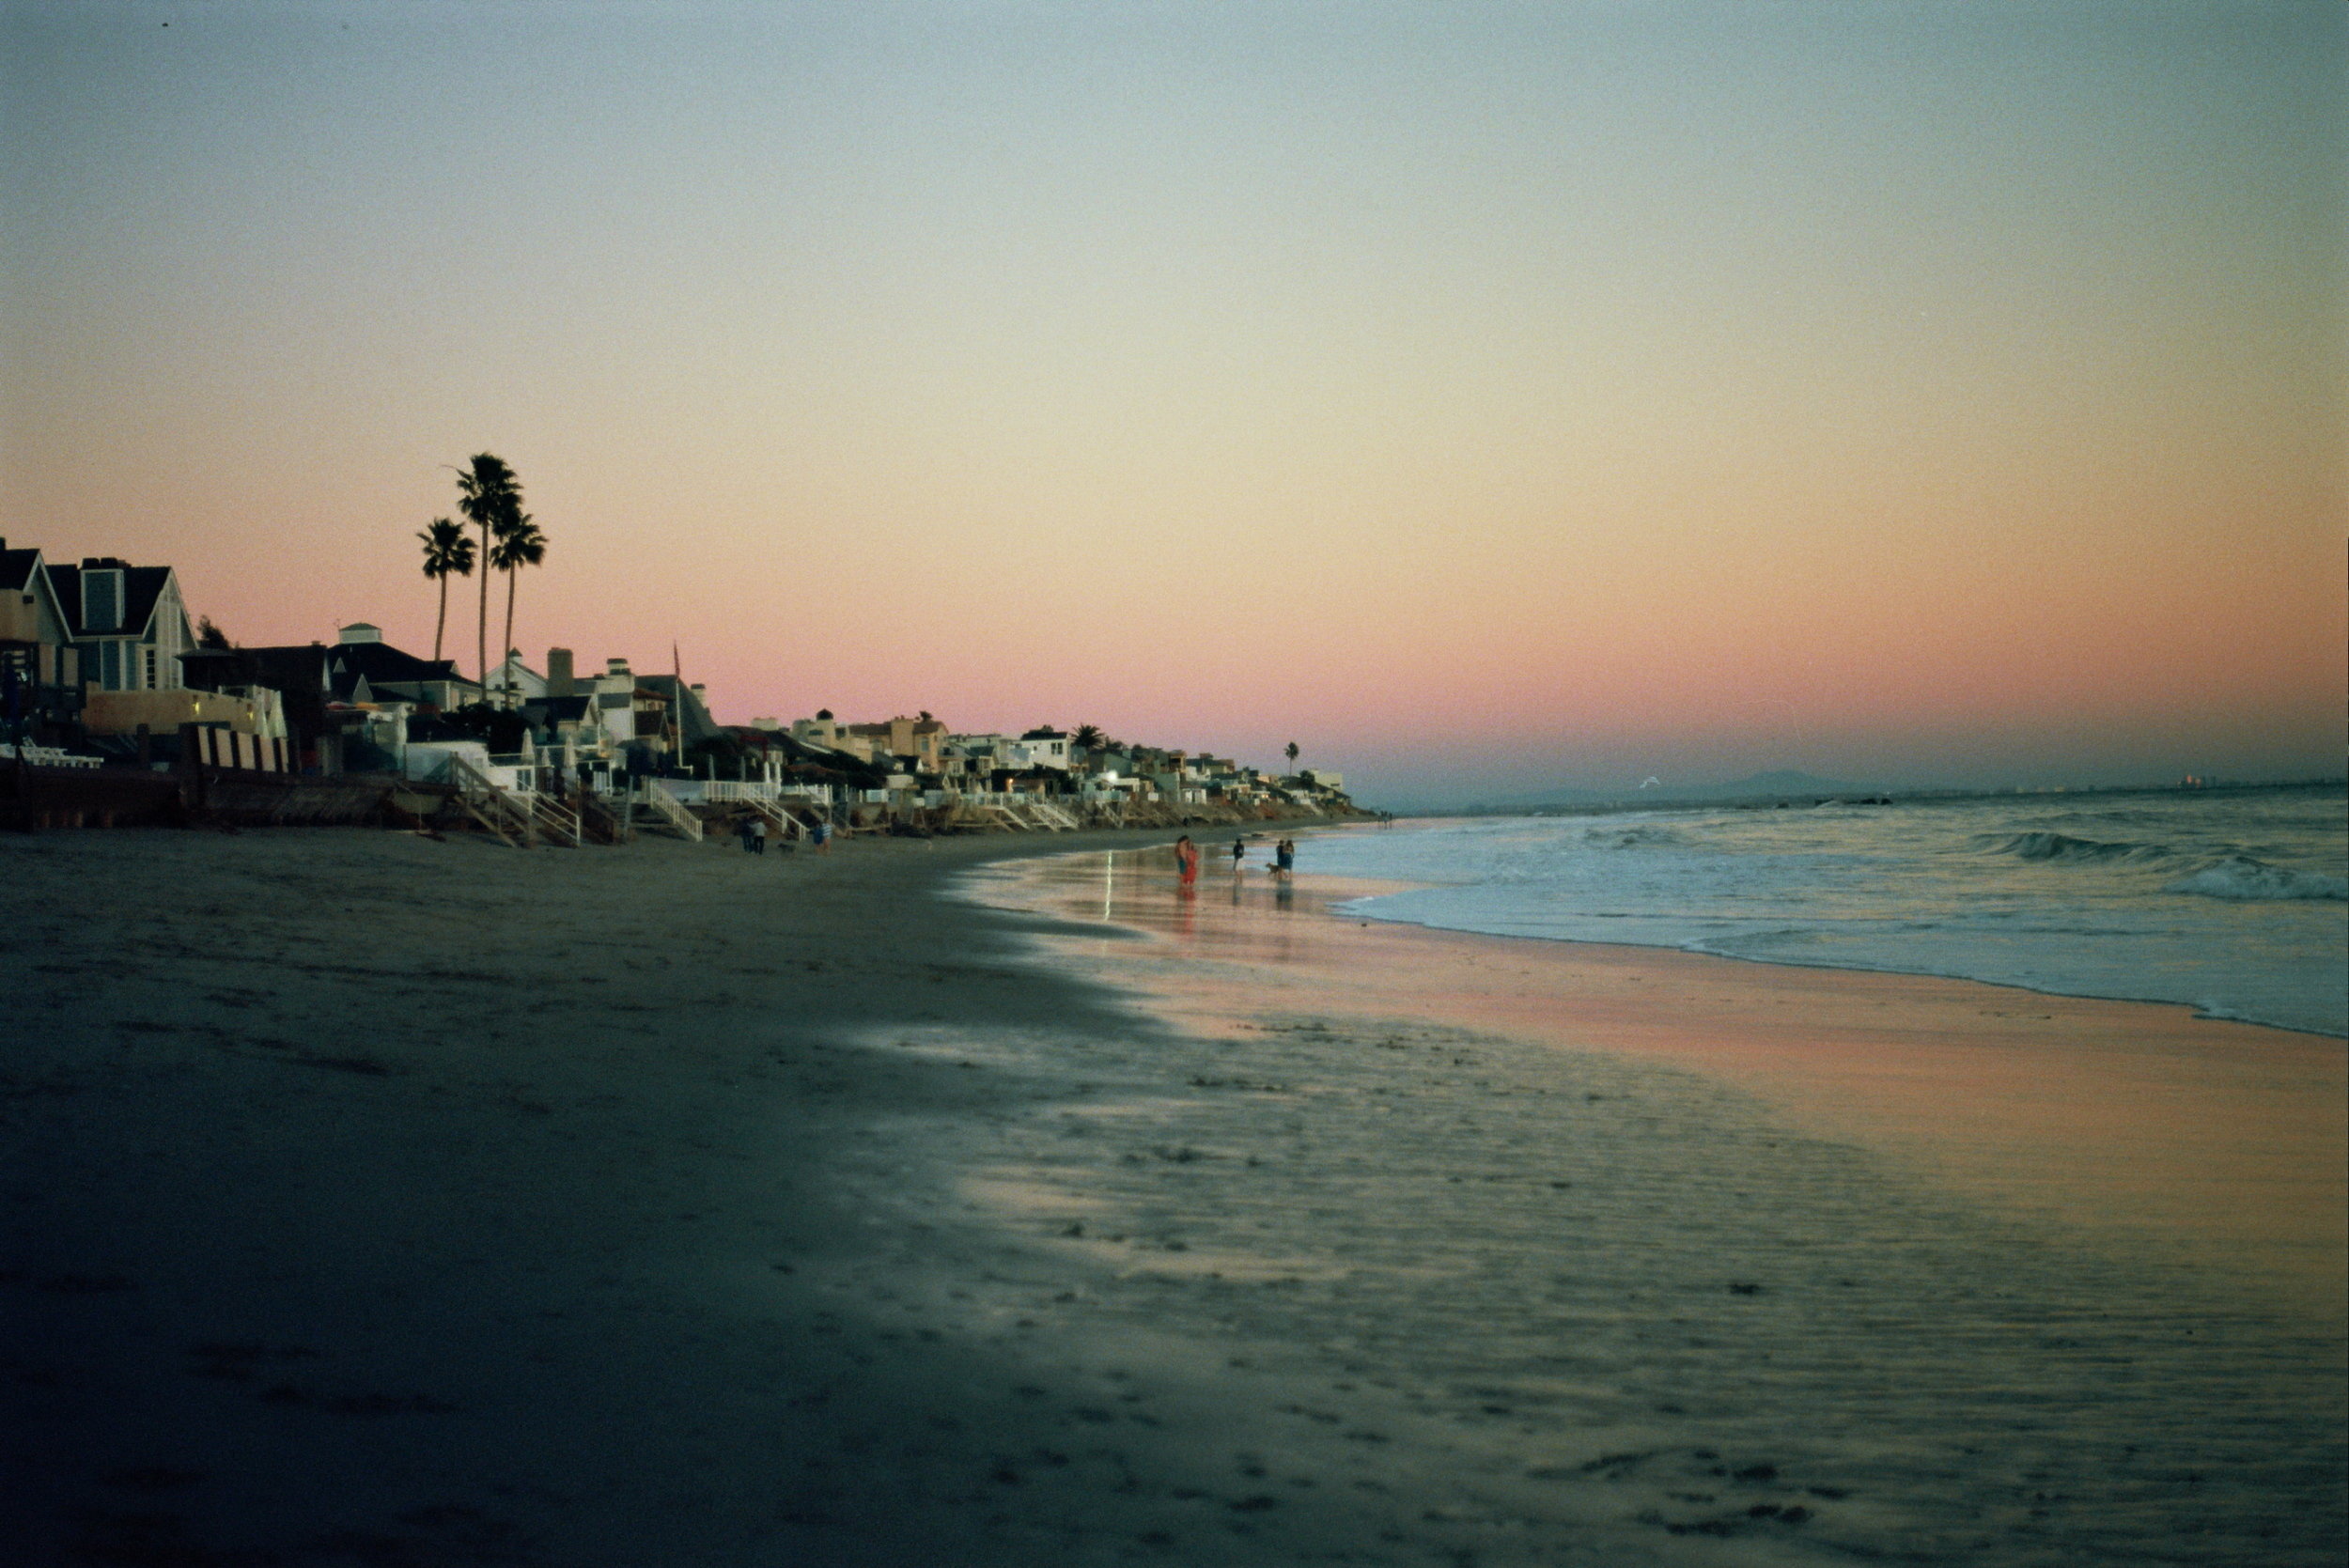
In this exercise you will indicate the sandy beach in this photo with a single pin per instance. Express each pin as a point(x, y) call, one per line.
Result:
point(376, 1200)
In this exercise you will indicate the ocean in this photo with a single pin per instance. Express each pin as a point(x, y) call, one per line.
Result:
point(2234, 902)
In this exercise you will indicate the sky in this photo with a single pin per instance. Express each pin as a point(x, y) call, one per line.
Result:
point(1486, 397)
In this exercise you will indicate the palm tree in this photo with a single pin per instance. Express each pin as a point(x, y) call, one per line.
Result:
point(1087, 738)
point(1292, 756)
point(519, 544)
point(446, 552)
point(491, 498)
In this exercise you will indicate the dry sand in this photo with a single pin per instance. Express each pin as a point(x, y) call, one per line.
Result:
point(372, 1200)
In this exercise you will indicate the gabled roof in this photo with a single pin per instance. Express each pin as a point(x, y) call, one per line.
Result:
point(142, 587)
point(686, 710)
point(382, 663)
point(16, 569)
point(557, 710)
point(23, 571)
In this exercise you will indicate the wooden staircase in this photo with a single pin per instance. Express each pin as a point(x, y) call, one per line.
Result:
point(785, 825)
point(494, 808)
point(599, 820)
point(671, 810)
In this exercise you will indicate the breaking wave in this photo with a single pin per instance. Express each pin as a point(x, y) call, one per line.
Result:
point(2247, 881)
point(1628, 838)
point(2043, 846)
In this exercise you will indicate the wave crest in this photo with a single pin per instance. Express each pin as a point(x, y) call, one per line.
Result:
point(1628, 838)
point(2247, 881)
point(2044, 845)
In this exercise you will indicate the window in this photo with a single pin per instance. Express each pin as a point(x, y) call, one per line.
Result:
point(148, 668)
point(102, 599)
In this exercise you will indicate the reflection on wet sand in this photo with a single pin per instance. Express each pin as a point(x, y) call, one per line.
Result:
point(2218, 1143)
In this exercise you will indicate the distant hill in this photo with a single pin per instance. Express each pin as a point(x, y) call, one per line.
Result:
point(1779, 783)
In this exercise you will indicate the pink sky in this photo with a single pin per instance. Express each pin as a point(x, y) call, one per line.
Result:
point(1484, 399)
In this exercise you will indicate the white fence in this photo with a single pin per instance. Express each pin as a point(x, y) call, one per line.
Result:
point(711, 791)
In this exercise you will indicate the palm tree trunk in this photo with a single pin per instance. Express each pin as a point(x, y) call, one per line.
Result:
point(511, 572)
point(442, 625)
point(481, 630)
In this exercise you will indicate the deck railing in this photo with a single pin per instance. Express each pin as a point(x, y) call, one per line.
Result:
point(671, 810)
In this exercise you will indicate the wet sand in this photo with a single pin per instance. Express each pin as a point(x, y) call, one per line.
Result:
point(368, 1200)
point(2220, 1144)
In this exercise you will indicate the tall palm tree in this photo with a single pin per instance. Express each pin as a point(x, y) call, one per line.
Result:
point(491, 498)
point(447, 552)
point(519, 544)
point(1292, 756)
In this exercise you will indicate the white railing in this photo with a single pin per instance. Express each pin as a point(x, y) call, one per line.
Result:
point(738, 789)
point(490, 805)
point(671, 810)
point(555, 819)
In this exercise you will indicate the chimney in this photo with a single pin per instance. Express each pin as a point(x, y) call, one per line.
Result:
point(615, 667)
point(559, 673)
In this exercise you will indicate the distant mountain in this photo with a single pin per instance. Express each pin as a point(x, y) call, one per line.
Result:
point(1781, 783)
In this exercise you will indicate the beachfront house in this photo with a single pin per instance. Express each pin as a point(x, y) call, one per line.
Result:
point(1044, 747)
point(514, 683)
point(127, 623)
point(364, 668)
point(40, 670)
point(920, 741)
point(35, 631)
point(645, 722)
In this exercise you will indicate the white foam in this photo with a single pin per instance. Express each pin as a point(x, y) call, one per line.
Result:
point(2234, 904)
point(2248, 879)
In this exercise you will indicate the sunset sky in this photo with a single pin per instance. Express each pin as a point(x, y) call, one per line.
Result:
point(1484, 396)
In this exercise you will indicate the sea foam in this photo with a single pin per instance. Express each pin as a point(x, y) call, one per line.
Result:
point(2232, 902)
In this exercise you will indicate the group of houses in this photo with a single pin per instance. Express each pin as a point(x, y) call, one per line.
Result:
point(101, 666)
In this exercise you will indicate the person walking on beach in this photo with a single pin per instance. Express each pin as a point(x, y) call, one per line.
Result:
point(1284, 858)
point(820, 835)
point(1185, 858)
point(1239, 854)
point(758, 836)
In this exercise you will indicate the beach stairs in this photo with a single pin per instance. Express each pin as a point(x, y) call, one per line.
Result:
point(599, 821)
point(556, 822)
point(781, 822)
point(1052, 818)
point(671, 810)
point(1003, 817)
point(518, 819)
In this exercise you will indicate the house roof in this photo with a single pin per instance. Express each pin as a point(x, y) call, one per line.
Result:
point(380, 664)
point(557, 710)
point(142, 586)
point(686, 709)
point(297, 668)
point(16, 569)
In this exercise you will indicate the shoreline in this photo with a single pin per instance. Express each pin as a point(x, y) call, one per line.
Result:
point(2005, 1091)
point(678, 1204)
point(2196, 1009)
